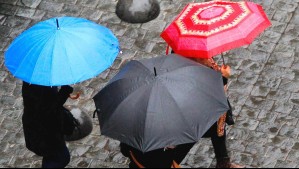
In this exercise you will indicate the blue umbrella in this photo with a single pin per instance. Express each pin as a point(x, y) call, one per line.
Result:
point(62, 51)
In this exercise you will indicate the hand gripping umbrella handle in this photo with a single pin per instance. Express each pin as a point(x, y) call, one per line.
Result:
point(74, 97)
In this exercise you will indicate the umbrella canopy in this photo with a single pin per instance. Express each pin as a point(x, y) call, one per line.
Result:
point(61, 51)
point(204, 30)
point(160, 102)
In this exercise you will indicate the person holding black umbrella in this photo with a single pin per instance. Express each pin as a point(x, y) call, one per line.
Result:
point(170, 157)
point(159, 108)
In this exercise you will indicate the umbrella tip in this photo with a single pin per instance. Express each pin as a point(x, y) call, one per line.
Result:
point(57, 23)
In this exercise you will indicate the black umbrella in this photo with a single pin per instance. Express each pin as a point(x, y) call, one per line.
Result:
point(155, 103)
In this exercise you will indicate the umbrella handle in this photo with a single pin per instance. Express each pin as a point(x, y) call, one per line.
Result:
point(74, 97)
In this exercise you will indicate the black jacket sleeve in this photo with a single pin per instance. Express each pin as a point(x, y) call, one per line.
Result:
point(225, 80)
point(63, 95)
point(181, 151)
point(125, 150)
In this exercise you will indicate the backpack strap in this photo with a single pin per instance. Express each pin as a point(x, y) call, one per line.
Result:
point(135, 160)
point(175, 165)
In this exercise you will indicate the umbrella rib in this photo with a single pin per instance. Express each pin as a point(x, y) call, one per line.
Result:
point(145, 68)
point(126, 95)
point(187, 67)
point(181, 114)
point(216, 98)
point(24, 58)
point(151, 70)
point(141, 66)
point(140, 85)
point(243, 34)
point(73, 34)
point(73, 77)
point(199, 87)
point(147, 108)
point(191, 66)
point(39, 57)
point(25, 35)
point(85, 61)
point(166, 58)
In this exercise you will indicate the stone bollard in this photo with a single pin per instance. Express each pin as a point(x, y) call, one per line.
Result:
point(137, 11)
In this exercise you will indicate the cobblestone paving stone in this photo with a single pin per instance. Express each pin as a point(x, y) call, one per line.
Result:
point(264, 87)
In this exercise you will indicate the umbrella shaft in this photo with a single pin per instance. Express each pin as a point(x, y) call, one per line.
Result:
point(223, 59)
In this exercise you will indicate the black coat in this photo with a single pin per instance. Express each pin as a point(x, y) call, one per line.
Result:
point(157, 158)
point(43, 118)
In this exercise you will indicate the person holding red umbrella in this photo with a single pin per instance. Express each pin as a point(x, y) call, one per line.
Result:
point(217, 132)
point(204, 30)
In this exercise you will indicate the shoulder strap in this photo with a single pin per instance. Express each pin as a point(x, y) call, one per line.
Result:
point(175, 165)
point(135, 160)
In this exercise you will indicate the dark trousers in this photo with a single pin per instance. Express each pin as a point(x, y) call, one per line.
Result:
point(219, 143)
point(60, 159)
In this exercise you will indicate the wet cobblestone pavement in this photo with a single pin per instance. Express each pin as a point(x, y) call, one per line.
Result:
point(264, 88)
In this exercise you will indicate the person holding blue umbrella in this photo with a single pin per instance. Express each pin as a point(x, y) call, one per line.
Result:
point(56, 52)
point(43, 122)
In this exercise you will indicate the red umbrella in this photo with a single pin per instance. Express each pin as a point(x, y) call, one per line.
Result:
point(204, 30)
